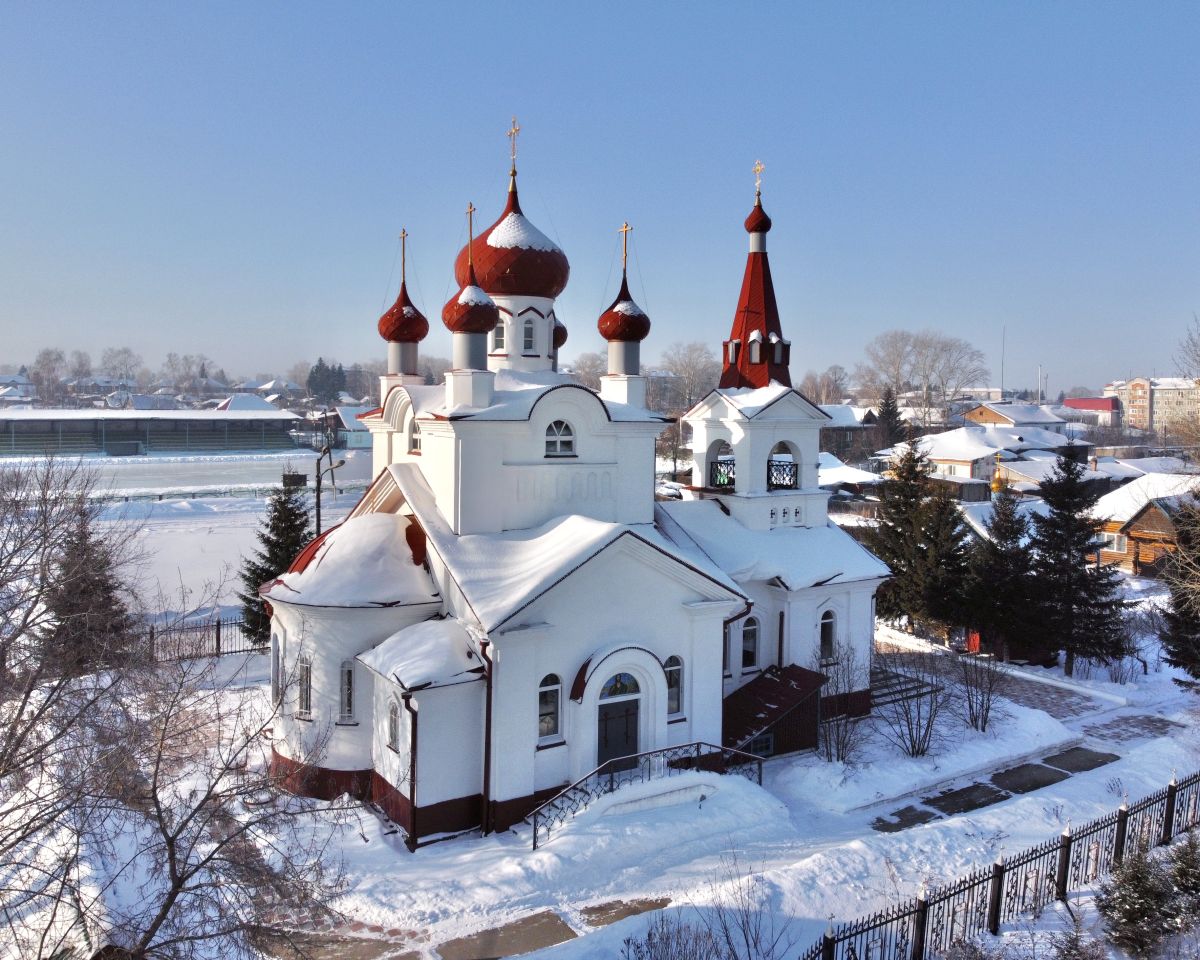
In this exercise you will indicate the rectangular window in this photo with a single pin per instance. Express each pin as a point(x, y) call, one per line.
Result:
point(528, 344)
point(346, 713)
point(762, 746)
point(725, 653)
point(548, 713)
point(304, 679)
point(498, 341)
point(1114, 542)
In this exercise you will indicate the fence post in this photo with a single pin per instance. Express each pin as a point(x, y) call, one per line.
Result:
point(1064, 864)
point(995, 896)
point(218, 625)
point(1168, 827)
point(920, 923)
point(828, 943)
point(1122, 827)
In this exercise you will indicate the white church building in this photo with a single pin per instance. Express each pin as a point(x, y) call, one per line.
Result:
point(508, 606)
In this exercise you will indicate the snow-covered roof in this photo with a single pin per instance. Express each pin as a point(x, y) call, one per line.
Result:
point(1124, 502)
point(500, 574)
point(1118, 469)
point(842, 415)
point(434, 653)
point(1158, 465)
point(798, 556)
point(979, 515)
point(751, 401)
point(99, 413)
point(245, 401)
point(1038, 471)
point(1022, 413)
point(515, 231)
point(831, 472)
point(366, 561)
point(348, 416)
point(965, 444)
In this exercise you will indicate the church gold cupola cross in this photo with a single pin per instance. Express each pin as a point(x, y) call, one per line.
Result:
point(403, 253)
point(512, 137)
point(470, 233)
point(623, 230)
point(758, 169)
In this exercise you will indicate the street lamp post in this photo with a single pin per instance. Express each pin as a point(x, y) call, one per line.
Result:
point(325, 452)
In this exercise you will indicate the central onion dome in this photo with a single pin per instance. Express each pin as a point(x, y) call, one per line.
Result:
point(403, 322)
point(470, 310)
point(624, 321)
point(513, 258)
point(758, 221)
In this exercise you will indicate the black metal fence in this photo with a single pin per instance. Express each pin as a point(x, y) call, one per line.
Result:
point(783, 475)
point(212, 638)
point(639, 768)
point(926, 926)
point(722, 473)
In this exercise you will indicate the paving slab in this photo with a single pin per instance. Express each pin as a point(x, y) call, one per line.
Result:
point(1079, 759)
point(904, 818)
point(965, 799)
point(1028, 777)
point(534, 932)
point(1137, 727)
point(602, 914)
point(317, 946)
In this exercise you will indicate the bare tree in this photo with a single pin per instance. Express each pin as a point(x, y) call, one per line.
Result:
point(841, 735)
point(940, 367)
point(695, 369)
point(982, 684)
point(433, 369)
point(588, 368)
point(911, 718)
point(80, 364)
point(47, 371)
point(889, 363)
point(1187, 354)
point(829, 386)
point(120, 362)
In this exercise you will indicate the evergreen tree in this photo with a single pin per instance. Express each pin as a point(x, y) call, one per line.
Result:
point(941, 569)
point(326, 382)
point(1138, 905)
point(1079, 606)
point(1184, 866)
point(93, 626)
point(1180, 635)
point(896, 538)
point(283, 536)
point(891, 426)
point(1000, 581)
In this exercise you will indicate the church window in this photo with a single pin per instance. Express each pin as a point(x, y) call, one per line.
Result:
point(414, 441)
point(560, 439)
point(304, 683)
point(732, 347)
point(620, 685)
point(828, 635)
point(778, 344)
point(276, 684)
point(498, 337)
point(750, 644)
point(756, 351)
point(346, 698)
point(528, 343)
point(393, 727)
point(674, 671)
point(549, 697)
point(725, 652)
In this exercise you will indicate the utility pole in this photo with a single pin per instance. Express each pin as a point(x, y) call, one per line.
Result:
point(325, 452)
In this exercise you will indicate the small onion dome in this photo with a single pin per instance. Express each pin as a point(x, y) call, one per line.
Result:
point(512, 257)
point(758, 221)
point(403, 322)
point(470, 310)
point(624, 321)
point(560, 334)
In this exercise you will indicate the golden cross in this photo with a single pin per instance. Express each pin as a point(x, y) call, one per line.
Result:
point(623, 230)
point(512, 136)
point(758, 169)
point(470, 231)
point(403, 252)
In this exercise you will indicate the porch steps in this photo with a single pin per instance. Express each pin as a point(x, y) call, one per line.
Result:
point(888, 686)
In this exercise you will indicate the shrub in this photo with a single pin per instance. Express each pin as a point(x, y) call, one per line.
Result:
point(1138, 905)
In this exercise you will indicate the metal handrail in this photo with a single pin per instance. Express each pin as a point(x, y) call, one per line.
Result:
point(637, 768)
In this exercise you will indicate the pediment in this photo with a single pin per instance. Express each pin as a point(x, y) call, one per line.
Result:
point(767, 404)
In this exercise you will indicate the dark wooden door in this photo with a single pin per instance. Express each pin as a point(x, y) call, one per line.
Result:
point(617, 735)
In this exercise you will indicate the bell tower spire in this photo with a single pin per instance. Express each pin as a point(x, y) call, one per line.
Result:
point(756, 353)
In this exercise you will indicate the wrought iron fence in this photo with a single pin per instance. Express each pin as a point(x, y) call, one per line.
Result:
point(1023, 886)
point(639, 768)
point(783, 475)
point(212, 638)
point(721, 473)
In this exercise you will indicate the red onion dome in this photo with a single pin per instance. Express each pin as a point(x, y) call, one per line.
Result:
point(624, 321)
point(758, 221)
point(514, 258)
point(560, 334)
point(403, 322)
point(470, 310)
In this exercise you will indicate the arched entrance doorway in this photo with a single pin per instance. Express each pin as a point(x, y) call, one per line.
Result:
point(617, 720)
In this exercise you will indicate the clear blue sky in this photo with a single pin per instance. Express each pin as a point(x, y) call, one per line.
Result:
point(231, 178)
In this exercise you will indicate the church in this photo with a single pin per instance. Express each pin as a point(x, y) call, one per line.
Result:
point(509, 607)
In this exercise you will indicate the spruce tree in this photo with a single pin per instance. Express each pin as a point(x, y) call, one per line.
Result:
point(896, 538)
point(284, 534)
point(1184, 865)
point(92, 623)
point(1138, 905)
point(891, 426)
point(1180, 635)
point(1000, 579)
point(941, 569)
point(1079, 606)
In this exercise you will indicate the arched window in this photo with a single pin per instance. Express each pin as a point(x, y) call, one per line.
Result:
point(304, 688)
point(346, 693)
point(828, 635)
point(498, 336)
point(549, 697)
point(674, 671)
point(755, 350)
point(414, 438)
point(393, 729)
point(528, 342)
point(560, 439)
point(783, 468)
point(750, 644)
point(732, 347)
point(620, 685)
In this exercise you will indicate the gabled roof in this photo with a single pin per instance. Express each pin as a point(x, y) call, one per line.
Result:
point(772, 402)
point(1123, 503)
point(434, 653)
point(765, 700)
point(1021, 413)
